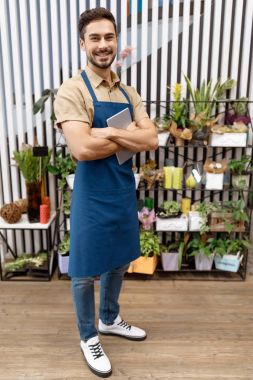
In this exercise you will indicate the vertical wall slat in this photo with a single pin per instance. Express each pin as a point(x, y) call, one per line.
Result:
point(55, 40)
point(74, 38)
point(226, 40)
point(144, 49)
point(195, 42)
point(134, 43)
point(123, 39)
point(236, 45)
point(206, 39)
point(164, 62)
point(174, 49)
point(37, 59)
point(64, 39)
point(246, 49)
point(154, 45)
point(185, 43)
point(216, 40)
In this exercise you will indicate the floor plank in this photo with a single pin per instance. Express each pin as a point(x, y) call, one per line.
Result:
point(196, 330)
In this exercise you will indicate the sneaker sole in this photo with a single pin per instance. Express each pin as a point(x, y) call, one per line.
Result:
point(100, 374)
point(123, 336)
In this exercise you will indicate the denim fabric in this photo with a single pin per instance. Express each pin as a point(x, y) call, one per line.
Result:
point(84, 300)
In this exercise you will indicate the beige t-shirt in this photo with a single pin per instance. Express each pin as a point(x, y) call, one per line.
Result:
point(74, 102)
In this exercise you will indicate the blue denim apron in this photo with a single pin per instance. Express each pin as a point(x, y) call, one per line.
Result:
point(104, 224)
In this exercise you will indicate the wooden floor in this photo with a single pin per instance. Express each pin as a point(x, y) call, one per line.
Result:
point(196, 330)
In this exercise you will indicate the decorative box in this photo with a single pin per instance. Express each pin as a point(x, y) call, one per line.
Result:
point(218, 221)
point(228, 139)
point(172, 224)
point(214, 181)
point(230, 263)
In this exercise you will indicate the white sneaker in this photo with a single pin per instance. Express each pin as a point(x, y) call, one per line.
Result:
point(95, 357)
point(123, 329)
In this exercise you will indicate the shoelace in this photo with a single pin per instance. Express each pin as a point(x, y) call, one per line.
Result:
point(96, 350)
point(124, 325)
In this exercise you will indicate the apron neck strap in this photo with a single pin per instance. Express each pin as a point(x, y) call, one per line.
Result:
point(125, 94)
point(88, 84)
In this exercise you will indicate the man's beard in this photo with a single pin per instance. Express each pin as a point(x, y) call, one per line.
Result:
point(102, 65)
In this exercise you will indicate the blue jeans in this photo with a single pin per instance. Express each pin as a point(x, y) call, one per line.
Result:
point(84, 302)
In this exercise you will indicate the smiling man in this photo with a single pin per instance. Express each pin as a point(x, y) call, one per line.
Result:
point(104, 235)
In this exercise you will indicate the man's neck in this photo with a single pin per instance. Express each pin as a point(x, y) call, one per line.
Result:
point(103, 73)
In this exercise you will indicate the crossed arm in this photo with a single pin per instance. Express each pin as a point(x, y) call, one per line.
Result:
point(87, 143)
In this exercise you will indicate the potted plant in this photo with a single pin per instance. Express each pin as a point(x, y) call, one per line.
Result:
point(202, 252)
point(25, 262)
point(147, 218)
point(178, 117)
point(150, 250)
point(63, 254)
point(230, 257)
point(169, 217)
point(239, 169)
point(33, 168)
point(171, 256)
point(64, 167)
point(162, 127)
point(149, 174)
point(238, 112)
point(203, 101)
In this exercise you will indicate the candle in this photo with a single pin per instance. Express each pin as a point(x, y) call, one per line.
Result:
point(178, 178)
point(44, 214)
point(185, 205)
point(168, 171)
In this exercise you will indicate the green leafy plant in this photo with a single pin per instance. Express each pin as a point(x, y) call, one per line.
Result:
point(238, 166)
point(235, 245)
point(39, 105)
point(26, 260)
point(149, 243)
point(66, 202)
point(218, 246)
point(169, 208)
point(204, 98)
point(197, 246)
point(64, 246)
point(62, 168)
point(31, 167)
point(179, 110)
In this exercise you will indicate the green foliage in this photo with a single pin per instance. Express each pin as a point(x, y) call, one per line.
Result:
point(235, 245)
point(30, 166)
point(150, 244)
point(64, 246)
point(169, 208)
point(39, 105)
point(179, 110)
point(238, 166)
point(62, 168)
point(25, 260)
point(205, 97)
point(66, 202)
point(240, 106)
point(197, 246)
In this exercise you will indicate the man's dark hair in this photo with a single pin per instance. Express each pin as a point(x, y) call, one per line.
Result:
point(92, 15)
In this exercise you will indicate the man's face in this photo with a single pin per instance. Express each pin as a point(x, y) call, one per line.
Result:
point(100, 43)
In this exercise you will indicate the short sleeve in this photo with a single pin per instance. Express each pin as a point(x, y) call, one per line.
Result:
point(138, 107)
point(69, 104)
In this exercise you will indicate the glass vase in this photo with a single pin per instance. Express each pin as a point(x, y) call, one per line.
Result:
point(33, 191)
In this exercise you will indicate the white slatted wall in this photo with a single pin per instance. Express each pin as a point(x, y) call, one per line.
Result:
point(39, 48)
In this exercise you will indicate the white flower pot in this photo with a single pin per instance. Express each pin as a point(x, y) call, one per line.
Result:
point(203, 262)
point(68, 224)
point(163, 138)
point(63, 263)
point(170, 261)
point(195, 221)
point(70, 180)
point(137, 179)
